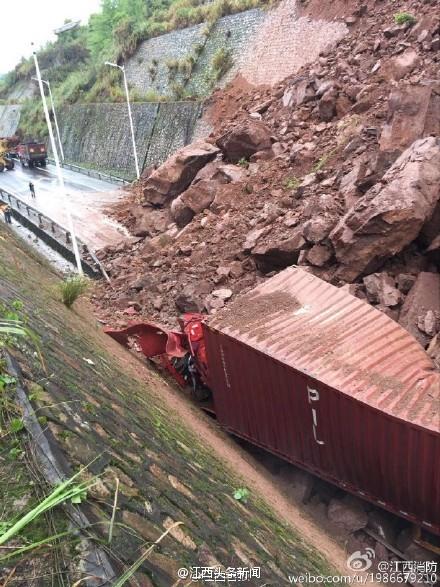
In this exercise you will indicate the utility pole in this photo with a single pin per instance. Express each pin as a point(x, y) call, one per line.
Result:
point(58, 167)
point(54, 116)
point(122, 68)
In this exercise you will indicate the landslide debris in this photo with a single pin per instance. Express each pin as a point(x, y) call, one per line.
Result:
point(334, 169)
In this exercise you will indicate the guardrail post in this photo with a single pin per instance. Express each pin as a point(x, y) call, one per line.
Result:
point(52, 227)
point(68, 239)
point(28, 211)
point(40, 221)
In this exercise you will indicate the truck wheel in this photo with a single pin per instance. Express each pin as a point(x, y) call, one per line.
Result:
point(9, 164)
point(30, 164)
point(2, 166)
point(43, 163)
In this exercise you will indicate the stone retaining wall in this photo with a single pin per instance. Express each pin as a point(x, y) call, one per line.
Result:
point(9, 119)
point(285, 42)
point(99, 134)
point(148, 70)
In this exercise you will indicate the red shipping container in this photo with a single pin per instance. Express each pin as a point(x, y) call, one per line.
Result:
point(320, 378)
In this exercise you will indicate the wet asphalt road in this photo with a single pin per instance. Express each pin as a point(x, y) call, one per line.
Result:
point(87, 198)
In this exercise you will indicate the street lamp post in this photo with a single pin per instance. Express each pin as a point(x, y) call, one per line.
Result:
point(122, 68)
point(58, 166)
point(54, 116)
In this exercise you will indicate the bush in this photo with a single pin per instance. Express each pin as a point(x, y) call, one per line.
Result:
point(151, 96)
point(404, 17)
point(292, 183)
point(221, 62)
point(178, 91)
point(32, 121)
point(72, 288)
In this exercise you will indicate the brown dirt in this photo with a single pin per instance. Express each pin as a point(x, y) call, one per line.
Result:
point(318, 9)
point(223, 105)
point(246, 312)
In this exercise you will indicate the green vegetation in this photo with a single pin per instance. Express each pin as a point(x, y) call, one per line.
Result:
point(75, 62)
point(178, 90)
point(241, 494)
point(404, 17)
point(322, 161)
point(23, 527)
point(66, 491)
point(292, 183)
point(72, 288)
point(243, 162)
point(221, 63)
point(122, 580)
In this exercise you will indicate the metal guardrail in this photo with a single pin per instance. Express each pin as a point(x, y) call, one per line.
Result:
point(93, 173)
point(52, 233)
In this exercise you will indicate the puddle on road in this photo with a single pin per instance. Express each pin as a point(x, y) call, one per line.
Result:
point(55, 259)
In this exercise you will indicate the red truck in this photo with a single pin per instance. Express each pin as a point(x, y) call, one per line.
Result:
point(32, 154)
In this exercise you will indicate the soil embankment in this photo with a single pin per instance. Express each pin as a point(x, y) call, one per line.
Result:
point(96, 401)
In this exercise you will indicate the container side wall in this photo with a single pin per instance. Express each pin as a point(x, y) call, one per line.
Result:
point(319, 428)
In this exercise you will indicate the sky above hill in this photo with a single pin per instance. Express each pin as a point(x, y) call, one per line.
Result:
point(34, 21)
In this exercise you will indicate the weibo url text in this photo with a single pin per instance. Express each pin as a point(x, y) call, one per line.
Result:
point(365, 578)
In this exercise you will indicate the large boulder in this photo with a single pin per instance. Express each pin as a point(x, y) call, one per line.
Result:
point(423, 298)
point(191, 297)
point(203, 190)
point(279, 254)
point(194, 200)
point(148, 222)
point(350, 515)
point(381, 289)
point(245, 139)
point(177, 173)
point(413, 113)
point(402, 65)
point(327, 105)
point(392, 213)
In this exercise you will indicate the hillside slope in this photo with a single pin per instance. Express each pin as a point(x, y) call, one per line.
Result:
point(100, 407)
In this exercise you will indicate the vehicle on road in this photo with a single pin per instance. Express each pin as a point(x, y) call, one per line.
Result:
point(6, 162)
point(32, 154)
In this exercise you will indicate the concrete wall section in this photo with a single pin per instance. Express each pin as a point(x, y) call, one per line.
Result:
point(147, 71)
point(9, 119)
point(285, 42)
point(233, 33)
point(174, 128)
point(98, 135)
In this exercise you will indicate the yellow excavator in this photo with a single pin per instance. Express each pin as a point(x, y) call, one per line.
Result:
point(6, 161)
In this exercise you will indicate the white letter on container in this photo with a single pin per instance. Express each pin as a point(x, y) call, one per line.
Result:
point(313, 396)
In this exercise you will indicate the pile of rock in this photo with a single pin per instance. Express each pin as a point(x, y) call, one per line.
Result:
point(336, 169)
